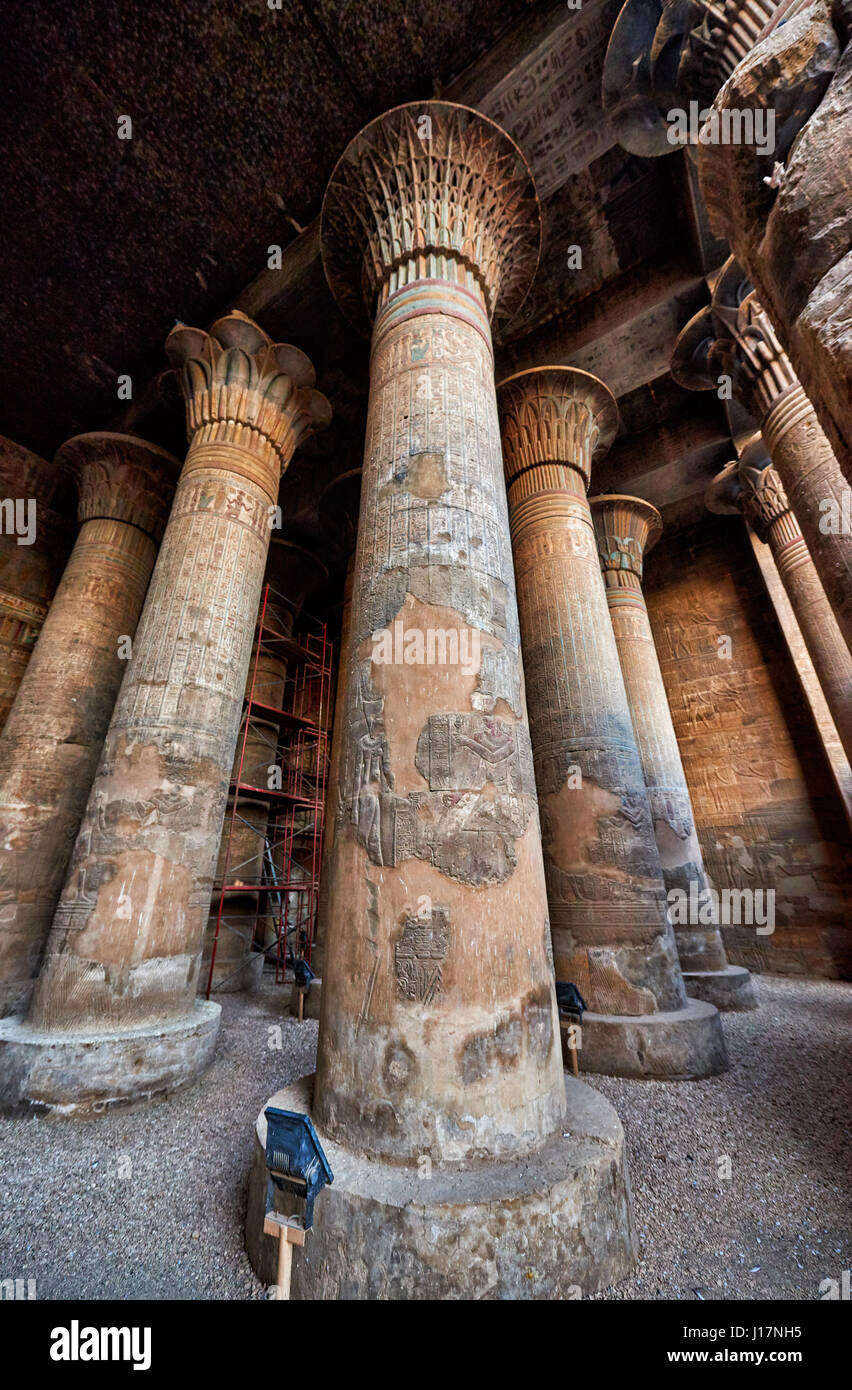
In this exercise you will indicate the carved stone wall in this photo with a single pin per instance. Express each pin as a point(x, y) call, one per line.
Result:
point(764, 802)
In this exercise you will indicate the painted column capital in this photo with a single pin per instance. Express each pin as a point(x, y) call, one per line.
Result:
point(554, 415)
point(430, 191)
point(733, 337)
point(626, 529)
point(121, 477)
point(245, 394)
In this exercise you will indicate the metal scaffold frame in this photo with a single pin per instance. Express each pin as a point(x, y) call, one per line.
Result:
point(291, 783)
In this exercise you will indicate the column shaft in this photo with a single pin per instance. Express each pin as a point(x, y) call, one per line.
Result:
point(626, 529)
point(52, 741)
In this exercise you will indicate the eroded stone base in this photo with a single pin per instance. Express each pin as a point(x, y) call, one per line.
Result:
point(730, 990)
point(679, 1046)
point(556, 1224)
point(76, 1073)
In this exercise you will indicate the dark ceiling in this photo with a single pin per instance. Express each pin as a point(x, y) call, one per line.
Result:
point(239, 112)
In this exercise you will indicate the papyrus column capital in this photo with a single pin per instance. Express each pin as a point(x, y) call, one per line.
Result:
point(626, 529)
point(121, 477)
point(244, 394)
point(733, 337)
point(430, 191)
point(554, 416)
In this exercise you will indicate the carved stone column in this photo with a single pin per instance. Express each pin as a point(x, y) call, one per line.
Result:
point(767, 88)
point(752, 486)
point(439, 1046)
point(36, 499)
point(626, 529)
point(339, 507)
point(611, 933)
point(52, 741)
point(123, 953)
point(733, 343)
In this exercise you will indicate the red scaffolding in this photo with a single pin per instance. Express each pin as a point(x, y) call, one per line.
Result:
point(267, 890)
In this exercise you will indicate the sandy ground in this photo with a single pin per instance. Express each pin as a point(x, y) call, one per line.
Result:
point(149, 1202)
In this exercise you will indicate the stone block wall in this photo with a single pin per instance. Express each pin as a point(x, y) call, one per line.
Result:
point(766, 808)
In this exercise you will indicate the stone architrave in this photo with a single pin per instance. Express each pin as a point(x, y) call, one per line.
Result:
point(751, 485)
point(731, 346)
point(50, 746)
point(439, 1046)
point(611, 934)
point(123, 954)
point(626, 529)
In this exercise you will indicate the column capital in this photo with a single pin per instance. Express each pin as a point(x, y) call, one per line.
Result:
point(121, 477)
point(430, 191)
point(763, 497)
point(627, 528)
point(665, 55)
point(733, 337)
point(558, 415)
point(243, 390)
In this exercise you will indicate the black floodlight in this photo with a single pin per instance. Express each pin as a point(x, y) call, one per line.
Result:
point(570, 1002)
point(303, 974)
point(295, 1158)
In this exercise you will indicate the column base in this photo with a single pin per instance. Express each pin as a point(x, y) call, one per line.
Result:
point(77, 1072)
point(233, 978)
point(731, 990)
point(682, 1045)
point(556, 1224)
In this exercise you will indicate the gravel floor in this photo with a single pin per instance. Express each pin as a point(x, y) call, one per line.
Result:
point(149, 1203)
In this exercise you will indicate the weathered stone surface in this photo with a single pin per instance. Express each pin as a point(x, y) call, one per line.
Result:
point(795, 238)
point(52, 741)
point(611, 933)
point(557, 1225)
point(626, 529)
point(126, 940)
point(438, 1031)
point(753, 486)
point(83, 1073)
point(768, 817)
point(733, 343)
point(33, 548)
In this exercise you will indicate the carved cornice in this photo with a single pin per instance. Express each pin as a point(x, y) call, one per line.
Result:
point(243, 390)
point(626, 528)
point(733, 337)
point(555, 415)
point(430, 190)
point(121, 478)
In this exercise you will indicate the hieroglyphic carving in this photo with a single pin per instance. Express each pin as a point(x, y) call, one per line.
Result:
point(151, 830)
point(733, 339)
point(419, 954)
point(603, 872)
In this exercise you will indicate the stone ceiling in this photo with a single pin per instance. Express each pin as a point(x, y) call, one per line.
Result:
point(239, 112)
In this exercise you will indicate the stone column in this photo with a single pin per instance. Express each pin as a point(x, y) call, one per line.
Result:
point(36, 502)
point(339, 506)
point(122, 958)
point(761, 92)
point(52, 741)
point(611, 934)
point(439, 1048)
point(626, 529)
point(732, 344)
point(752, 486)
